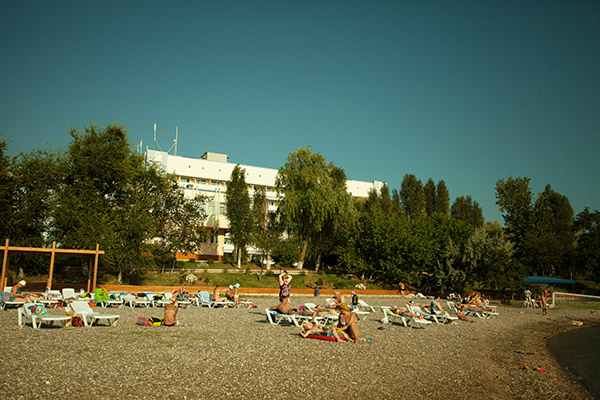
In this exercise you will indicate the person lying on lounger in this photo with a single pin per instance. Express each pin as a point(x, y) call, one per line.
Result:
point(472, 307)
point(285, 307)
point(346, 328)
point(403, 311)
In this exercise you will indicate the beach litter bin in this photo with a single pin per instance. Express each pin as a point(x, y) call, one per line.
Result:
point(317, 292)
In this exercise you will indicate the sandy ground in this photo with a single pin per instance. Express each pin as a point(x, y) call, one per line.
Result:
point(233, 353)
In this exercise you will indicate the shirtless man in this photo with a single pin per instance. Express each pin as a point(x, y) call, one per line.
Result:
point(17, 296)
point(285, 307)
point(336, 301)
point(401, 288)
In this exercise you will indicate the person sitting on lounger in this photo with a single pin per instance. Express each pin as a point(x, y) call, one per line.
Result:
point(346, 327)
point(17, 296)
point(436, 307)
point(217, 298)
point(232, 295)
point(336, 301)
point(171, 313)
point(183, 294)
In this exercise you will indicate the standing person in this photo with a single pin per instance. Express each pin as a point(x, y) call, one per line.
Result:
point(171, 313)
point(546, 295)
point(527, 294)
point(285, 289)
point(354, 300)
point(402, 287)
point(17, 296)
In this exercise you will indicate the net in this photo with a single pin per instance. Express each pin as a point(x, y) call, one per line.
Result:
point(573, 300)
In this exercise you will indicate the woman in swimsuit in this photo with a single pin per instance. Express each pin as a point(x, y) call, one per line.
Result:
point(17, 296)
point(171, 313)
point(217, 294)
point(346, 327)
point(285, 288)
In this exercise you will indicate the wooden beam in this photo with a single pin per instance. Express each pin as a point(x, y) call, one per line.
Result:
point(52, 256)
point(96, 265)
point(90, 265)
point(4, 266)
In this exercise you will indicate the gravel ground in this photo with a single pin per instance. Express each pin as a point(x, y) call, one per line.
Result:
point(233, 353)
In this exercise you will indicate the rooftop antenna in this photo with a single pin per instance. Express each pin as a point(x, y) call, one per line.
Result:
point(174, 146)
point(155, 143)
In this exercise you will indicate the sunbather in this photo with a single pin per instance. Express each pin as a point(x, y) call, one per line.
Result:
point(346, 327)
point(284, 286)
point(336, 301)
point(528, 301)
point(217, 294)
point(232, 295)
point(436, 307)
point(17, 296)
point(473, 307)
point(312, 329)
point(403, 311)
point(171, 313)
point(285, 307)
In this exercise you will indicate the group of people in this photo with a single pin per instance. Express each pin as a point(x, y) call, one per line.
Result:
point(541, 300)
point(346, 329)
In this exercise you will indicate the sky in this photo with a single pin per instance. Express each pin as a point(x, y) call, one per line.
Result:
point(468, 92)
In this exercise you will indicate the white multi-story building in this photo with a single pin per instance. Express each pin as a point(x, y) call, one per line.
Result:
point(208, 176)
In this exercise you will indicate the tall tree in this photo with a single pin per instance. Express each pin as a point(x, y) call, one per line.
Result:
point(587, 225)
point(468, 210)
point(412, 196)
point(310, 196)
point(513, 197)
point(549, 244)
point(442, 199)
point(238, 211)
point(430, 195)
point(266, 231)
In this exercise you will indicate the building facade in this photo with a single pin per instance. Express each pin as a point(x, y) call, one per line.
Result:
point(208, 176)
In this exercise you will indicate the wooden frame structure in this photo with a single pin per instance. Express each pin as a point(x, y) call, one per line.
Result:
point(52, 252)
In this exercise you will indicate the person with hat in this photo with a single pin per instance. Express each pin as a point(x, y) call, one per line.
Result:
point(232, 295)
point(171, 313)
point(346, 329)
point(17, 296)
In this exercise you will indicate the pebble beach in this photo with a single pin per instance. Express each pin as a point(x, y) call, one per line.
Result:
point(234, 353)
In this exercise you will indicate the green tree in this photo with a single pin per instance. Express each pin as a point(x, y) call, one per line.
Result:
point(467, 210)
point(430, 195)
point(310, 197)
point(412, 196)
point(239, 212)
point(442, 199)
point(267, 230)
point(549, 245)
point(514, 199)
point(111, 197)
point(587, 225)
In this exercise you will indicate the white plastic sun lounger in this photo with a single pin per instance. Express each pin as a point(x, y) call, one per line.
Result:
point(38, 314)
point(83, 309)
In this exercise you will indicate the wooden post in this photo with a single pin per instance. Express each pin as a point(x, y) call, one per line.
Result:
point(90, 265)
point(96, 266)
point(4, 275)
point(52, 256)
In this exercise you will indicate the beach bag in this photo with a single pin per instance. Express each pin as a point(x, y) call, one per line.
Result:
point(76, 321)
point(153, 321)
point(143, 321)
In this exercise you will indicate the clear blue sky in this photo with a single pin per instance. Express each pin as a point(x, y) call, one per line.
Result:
point(465, 91)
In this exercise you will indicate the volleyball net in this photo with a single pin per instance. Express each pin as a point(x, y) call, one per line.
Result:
point(573, 300)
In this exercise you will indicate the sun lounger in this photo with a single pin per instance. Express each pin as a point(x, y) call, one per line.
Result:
point(38, 315)
point(408, 322)
point(83, 310)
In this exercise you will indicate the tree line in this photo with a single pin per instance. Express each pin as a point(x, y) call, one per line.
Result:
point(100, 191)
